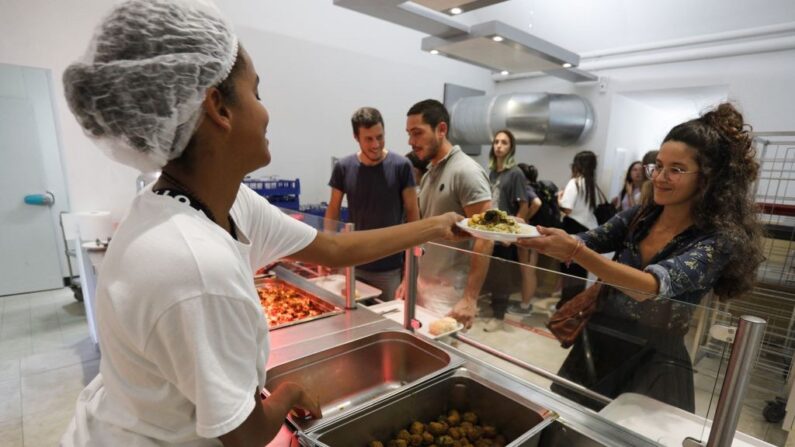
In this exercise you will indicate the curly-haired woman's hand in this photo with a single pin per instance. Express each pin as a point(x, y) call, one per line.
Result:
point(553, 242)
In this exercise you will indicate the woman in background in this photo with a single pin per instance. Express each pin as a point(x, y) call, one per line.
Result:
point(527, 257)
point(700, 233)
point(509, 194)
point(630, 194)
point(578, 202)
point(647, 189)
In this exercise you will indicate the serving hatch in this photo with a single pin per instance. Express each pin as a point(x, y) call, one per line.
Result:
point(286, 305)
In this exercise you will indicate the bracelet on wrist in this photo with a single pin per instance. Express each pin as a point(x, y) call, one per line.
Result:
point(574, 252)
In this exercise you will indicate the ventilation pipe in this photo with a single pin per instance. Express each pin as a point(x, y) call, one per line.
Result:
point(533, 118)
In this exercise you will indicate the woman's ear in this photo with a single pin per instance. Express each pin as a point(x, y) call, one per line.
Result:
point(216, 109)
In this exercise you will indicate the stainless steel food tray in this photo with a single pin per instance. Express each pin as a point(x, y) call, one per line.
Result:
point(519, 419)
point(327, 309)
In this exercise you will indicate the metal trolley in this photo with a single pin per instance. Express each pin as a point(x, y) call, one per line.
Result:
point(773, 297)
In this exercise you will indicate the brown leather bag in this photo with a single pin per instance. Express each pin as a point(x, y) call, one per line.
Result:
point(567, 323)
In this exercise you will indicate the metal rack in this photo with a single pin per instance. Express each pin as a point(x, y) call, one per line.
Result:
point(773, 297)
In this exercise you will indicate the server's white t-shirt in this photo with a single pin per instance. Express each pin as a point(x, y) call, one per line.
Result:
point(575, 201)
point(184, 340)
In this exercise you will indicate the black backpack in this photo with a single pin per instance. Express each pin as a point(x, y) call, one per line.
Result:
point(549, 213)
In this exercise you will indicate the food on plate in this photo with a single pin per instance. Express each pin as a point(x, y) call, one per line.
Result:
point(494, 220)
point(442, 325)
point(447, 430)
point(344, 293)
point(284, 304)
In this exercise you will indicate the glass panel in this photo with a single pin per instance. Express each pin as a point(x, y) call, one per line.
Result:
point(645, 354)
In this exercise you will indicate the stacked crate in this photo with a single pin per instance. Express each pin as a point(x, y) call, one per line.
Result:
point(280, 192)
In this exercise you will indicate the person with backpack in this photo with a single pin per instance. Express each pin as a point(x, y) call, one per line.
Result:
point(578, 202)
point(538, 213)
point(509, 194)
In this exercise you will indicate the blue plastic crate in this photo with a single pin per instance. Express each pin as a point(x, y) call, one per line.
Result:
point(319, 209)
point(274, 187)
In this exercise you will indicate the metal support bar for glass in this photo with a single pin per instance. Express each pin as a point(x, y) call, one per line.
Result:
point(576, 387)
point(350, 279)
point(738, 373)
point(412, 272)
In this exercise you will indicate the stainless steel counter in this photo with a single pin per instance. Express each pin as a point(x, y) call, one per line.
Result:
point(299, 341)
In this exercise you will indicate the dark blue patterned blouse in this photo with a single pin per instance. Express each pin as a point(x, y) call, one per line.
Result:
point(685, 269)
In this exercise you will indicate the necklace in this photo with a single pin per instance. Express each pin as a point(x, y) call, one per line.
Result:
point(196, 203)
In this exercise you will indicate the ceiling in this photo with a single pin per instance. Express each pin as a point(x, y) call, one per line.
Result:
point(584, 26)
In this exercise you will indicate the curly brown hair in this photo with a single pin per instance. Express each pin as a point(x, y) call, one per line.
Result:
point(724, 203)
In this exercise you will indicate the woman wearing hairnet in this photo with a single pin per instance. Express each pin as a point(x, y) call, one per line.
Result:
point(184, 342)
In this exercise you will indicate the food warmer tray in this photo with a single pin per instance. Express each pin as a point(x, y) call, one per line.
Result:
point(327, 309)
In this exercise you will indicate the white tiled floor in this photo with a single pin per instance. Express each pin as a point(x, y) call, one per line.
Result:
point(46, 358)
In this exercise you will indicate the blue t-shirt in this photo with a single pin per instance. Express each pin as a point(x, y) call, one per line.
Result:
point(375, 197)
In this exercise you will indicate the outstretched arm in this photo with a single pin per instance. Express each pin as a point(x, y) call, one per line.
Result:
point(359, 247)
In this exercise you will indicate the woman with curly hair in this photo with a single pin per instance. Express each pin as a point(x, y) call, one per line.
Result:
point(700, 233)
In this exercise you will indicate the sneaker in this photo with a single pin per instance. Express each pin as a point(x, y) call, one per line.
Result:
point(520, 310)
point(494, 325)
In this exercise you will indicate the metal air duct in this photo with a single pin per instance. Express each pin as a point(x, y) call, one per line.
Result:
point(534, 118)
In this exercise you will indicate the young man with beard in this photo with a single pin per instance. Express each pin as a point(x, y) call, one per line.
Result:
point(381, 193)
point(450, 280)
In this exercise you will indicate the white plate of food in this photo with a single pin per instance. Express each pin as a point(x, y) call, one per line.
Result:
point(432, 325)
point(496, 225)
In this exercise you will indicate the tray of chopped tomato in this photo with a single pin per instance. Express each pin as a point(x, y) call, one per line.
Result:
point(286, 305)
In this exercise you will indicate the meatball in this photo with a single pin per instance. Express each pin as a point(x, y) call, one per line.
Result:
point(470, 416)
point(455, 433)
point(489, 431)
point(427, 438)
point(375, 444)
point(453, 418)
point(404, 435)
point(415, 440)
point(437, 428)
point(417, 428)
point(444, 441)
point(475, 434)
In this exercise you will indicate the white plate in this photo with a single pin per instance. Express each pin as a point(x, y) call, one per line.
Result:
point(335, 284)
point(394, 311)
point(524, 231)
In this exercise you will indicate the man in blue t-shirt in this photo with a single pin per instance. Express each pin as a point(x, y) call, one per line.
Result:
point(381, 192)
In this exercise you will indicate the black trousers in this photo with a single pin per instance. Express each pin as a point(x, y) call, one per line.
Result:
point(503, 279)
point(572, 286)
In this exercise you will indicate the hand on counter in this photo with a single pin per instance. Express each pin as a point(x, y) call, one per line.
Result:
point(464, 311)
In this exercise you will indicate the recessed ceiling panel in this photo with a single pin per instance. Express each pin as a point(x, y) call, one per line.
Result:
point(446, 6)
point(499, 56)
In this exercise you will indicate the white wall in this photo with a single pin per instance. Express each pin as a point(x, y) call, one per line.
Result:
point(318, 63)
point(761, 84)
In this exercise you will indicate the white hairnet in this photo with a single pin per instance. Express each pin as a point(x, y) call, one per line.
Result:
point(138, 92)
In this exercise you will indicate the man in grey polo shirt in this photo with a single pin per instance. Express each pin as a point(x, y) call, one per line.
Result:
point(450, 280)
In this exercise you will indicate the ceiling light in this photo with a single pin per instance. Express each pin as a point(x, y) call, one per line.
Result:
point(449, 7)
point(567, 65)
point(434, 51)
point(505, 72)
point(518, 51)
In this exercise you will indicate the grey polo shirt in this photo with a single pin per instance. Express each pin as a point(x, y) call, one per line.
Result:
point(450, 185)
